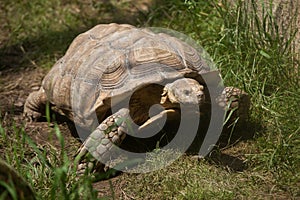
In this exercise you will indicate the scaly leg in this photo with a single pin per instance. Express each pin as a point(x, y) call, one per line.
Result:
point(99, 147)
point(236, 103)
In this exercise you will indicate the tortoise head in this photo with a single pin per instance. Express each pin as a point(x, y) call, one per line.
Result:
point(184, 91)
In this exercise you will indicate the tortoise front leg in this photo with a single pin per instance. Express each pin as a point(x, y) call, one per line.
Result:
point(35, 104)
point(236, 104)
point(100, 144)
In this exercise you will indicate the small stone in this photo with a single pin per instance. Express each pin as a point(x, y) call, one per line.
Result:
point(35, 88)
point(19, 104)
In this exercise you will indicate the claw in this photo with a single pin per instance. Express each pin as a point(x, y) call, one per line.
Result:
point(31, 116)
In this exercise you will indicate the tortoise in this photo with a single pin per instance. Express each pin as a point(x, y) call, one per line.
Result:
point(115, 63)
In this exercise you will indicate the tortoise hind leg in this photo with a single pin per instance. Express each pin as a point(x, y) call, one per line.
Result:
point(35, 104)
point(98, 149)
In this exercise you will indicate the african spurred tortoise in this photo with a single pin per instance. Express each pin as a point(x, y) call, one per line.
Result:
point(111, 64)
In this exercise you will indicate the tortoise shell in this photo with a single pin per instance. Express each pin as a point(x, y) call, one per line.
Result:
point(113, 60)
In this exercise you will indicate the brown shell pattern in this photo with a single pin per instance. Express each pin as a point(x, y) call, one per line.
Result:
point(110, 60)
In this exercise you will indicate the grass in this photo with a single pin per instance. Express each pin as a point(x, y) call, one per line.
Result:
point(48, 170)
point(244, 41)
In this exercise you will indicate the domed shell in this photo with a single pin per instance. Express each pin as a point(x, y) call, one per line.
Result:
point(113, 60)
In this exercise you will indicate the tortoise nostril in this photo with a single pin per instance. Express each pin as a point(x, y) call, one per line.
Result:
point(200, 96)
